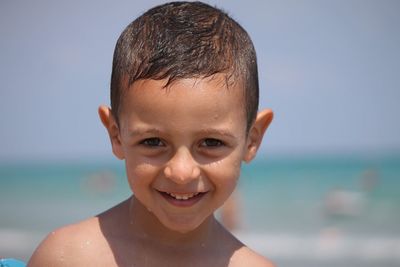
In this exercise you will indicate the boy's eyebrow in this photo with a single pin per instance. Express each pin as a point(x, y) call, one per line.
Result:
point(141, 131)
point(155, 131)
point(222, 132)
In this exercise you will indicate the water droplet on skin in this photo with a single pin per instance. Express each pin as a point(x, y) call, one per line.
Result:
point(61, 255)
point(87, 242)
point(203, 245)
point(53, 233)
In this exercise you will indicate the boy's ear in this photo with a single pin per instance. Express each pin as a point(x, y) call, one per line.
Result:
point(111, 125)
point(256, 133)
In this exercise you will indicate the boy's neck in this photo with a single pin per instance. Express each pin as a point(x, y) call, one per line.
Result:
point(145, 225)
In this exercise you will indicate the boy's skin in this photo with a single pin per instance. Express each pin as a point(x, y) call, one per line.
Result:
point(189, 138)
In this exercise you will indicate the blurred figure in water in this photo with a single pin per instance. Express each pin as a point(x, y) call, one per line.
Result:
point(230, 212)
point(369, 180)
point(340, 202)
point(343, 205)
point(102, 182)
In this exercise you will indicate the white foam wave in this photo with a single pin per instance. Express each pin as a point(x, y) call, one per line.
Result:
point(323, 247)
point(17, 243)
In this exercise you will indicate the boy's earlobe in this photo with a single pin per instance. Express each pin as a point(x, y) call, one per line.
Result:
point(111, 126)
point(256, 133)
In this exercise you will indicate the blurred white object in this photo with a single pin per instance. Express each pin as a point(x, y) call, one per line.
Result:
point(343, 202)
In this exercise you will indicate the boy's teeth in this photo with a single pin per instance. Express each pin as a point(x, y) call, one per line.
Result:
point(182, 196)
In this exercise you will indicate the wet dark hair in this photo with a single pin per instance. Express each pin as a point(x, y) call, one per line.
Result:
point(185, 40)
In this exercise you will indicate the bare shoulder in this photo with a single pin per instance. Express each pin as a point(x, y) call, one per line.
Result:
point(64, 246)
point(247, 257)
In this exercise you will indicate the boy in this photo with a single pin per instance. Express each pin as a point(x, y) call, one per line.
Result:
point(184, 98)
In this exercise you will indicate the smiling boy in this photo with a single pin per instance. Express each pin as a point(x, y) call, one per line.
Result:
point(183, 117)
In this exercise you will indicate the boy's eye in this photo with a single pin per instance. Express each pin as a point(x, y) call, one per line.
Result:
point(152, 142)
point(211, 142)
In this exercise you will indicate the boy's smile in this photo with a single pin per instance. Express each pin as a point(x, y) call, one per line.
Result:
point(183, 146)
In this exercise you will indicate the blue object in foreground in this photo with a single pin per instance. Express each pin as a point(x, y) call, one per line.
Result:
point(11, 263)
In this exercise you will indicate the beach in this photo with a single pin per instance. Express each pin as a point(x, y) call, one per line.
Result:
point(308, 211)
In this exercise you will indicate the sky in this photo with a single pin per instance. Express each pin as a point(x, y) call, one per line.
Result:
point(330, 70)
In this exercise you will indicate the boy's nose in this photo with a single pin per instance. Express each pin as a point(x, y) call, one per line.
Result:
point(182, 168)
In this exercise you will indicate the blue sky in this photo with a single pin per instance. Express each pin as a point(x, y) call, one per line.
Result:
point(329, 69)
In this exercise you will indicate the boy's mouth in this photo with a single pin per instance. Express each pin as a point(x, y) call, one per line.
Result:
point(183, 196)
point(182, 199)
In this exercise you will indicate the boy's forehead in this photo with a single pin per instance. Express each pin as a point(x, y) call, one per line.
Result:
point(181, 95)
point(217, 86)
point(187, 104)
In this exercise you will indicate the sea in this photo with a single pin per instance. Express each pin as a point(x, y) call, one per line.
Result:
point(318, 210)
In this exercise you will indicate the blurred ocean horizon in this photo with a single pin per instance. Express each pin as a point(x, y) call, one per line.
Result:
point(339, 210)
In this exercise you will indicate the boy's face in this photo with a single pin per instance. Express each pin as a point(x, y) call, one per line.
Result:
point(183, 146)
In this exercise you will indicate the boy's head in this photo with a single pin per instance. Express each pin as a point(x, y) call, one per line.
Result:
point(183, 147)
point(185, 40)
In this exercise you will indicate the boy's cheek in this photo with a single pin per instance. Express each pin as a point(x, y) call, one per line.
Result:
point(225, 171)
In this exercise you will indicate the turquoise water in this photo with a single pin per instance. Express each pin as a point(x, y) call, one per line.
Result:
point(313, 211)
point(298, 189)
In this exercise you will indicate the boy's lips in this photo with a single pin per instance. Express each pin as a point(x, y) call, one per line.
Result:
point(182, 199)
point(184, 196)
